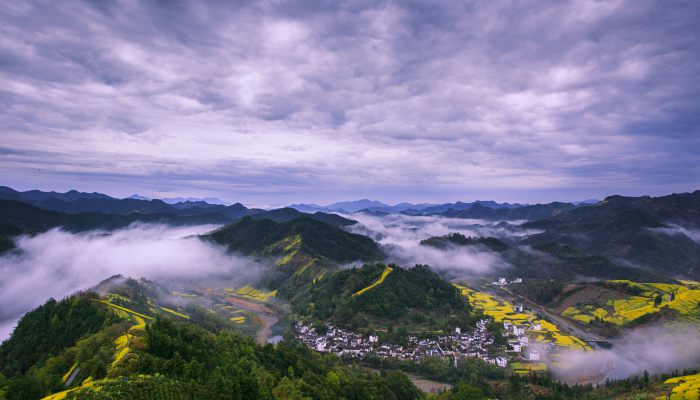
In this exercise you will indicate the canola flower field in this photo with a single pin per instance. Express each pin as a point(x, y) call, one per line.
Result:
point(501, 311)
point(251, 293)
point(686, 388)
point(682, 298)
point(379, 281)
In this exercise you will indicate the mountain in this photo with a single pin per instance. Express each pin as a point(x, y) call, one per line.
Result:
point(372, 206)
point(308, 237)
point(137, 197)
point(649, 233)
point(585, 202)
point(209, 200)
point(21, 218)
point(460, 206)
point(530, 212)
point(34, 196)
point(74, 202)
point(308, 208)
point(288, 214)
point(355, 205)
point(457, 239)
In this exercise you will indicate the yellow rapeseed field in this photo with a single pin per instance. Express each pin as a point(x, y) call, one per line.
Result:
point(249, 292)
point(171, 311)
point(683, 299)
point(379, 281)
point(687, 387)
point(501, 311)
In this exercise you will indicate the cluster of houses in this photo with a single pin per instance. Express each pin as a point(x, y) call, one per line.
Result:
point(344, 343)
point(503, 281)
point(518, 340)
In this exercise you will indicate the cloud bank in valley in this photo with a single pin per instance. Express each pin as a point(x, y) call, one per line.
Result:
point(654, 349)
point(401, 235)
point(57, 263)
point(673, 229)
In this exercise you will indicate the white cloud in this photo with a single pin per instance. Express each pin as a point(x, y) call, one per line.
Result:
point(401, 235)
point(656, 350)
point(56, 263)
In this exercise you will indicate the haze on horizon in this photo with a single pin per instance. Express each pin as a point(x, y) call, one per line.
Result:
point(275, 102)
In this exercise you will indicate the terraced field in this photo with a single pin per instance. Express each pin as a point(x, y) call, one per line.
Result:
point(625, 302)
point(252, 293)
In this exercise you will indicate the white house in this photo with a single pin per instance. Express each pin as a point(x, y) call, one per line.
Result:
point(537, 326)
point(534, 356)
point(373, 338)
point(518, 330)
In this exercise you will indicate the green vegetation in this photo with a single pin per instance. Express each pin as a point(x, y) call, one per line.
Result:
point(624, 303)
point(377, 296)
point(457, 239)
point(624, 227)
point(128, 355)
point(316, 239)
point(50, 328)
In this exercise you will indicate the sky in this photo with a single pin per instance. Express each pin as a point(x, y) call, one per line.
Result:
point(276, 102)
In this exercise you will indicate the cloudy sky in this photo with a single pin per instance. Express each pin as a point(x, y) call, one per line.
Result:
point(273, 102)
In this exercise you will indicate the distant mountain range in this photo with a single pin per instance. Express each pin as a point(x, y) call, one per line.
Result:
point(409, 208)
point(74, 202)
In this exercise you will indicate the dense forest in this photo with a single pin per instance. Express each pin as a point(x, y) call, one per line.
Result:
point(378, 295)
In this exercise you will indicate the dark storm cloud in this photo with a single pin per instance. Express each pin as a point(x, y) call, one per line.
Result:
point(315, 100)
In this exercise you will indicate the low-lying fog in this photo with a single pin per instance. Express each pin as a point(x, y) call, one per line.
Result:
point(654, 349)
point(401, 235)
point(56, 263)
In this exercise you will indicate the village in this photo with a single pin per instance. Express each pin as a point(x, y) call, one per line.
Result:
point(344, 343)
point(479, 343)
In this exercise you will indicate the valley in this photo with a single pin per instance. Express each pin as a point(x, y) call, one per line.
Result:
point(496, 307)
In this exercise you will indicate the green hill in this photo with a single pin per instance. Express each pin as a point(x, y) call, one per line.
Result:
point(287, 214)
point(18, 218)
point(457, 239)
point(313, 238)
point(378, 295)
point(86, 348)
point(630, 230)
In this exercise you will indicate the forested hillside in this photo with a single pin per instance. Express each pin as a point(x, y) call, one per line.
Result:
point(317, 239)
point(378, 295)
point(646, 232)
